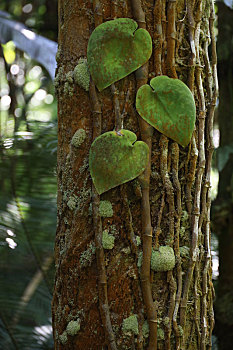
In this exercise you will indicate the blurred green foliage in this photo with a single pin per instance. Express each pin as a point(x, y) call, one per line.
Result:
point(28, 144)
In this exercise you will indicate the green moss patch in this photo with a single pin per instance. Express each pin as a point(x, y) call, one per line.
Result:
point(78, 138)
point(163, 259)
point(63, 337)
point(130, 325)
point(73, 327)
point(82, 75)
point(107, 240)
point(105, 209)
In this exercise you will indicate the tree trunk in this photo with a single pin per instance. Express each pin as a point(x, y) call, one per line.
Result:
point(109, 298)
point(223, 205)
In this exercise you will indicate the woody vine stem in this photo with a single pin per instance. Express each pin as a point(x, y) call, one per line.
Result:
point(102, 278)
point(146, 136)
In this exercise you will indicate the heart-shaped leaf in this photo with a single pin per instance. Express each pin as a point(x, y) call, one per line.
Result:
point(168, 105)
point(115, 49)
point(115, 158)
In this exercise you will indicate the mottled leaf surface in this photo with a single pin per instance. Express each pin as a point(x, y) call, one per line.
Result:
point(168, 105)
point(115, 49)
point(116, 158)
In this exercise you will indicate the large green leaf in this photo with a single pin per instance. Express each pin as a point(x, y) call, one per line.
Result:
point(168, 105)
point(115, 158)
point(115, 49)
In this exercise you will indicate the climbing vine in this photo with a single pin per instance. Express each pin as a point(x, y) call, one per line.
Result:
point(162, 162)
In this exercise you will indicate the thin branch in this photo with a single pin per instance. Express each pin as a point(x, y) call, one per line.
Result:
point(126, 104)
point(114, 8)
point(146, 135)
point(164, 167)
point(212, 90)
point(164, 41)
point(172, 290)
point(97, 222)
point(138, 13)
point(159, 219)
point(129, 220)
point(102, 278)
point(97, 9)
point(191, 176)
point(171, 38)
point(118, 117)
point(163, 142)
point(192, 61)
point(177, 186)
point(180, 31)
point(198, 184)
point(157, 39)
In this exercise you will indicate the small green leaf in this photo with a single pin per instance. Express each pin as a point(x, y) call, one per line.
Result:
point(115, 49)
point(116, 158)
point(168, 105)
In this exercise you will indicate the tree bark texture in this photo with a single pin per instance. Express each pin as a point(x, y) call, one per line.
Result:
point(119, 302)
point(223, 205)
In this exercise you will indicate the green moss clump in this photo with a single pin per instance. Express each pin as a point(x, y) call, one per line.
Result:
point(185, 216)
point(130, 325)
point(69, 77)
point(105, 209)
point(68, 89)
point(63, 337)
point(160, 334)
point(166, 321)
point(140, 256)
point(163, 259)
point(87, 256)
point(82, 75)
point(184, 251)
point(138, 240)
point(72, 203)
point(58, 55)
point(73, 327)
point(59, 78)
point(185, 224)
point(107, 240)
point(145, 329)
point(181, 331)
point(78, 138)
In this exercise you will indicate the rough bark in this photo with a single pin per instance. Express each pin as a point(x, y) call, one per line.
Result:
point(168, 205)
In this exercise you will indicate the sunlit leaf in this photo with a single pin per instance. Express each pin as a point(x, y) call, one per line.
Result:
point(168, 105)
point(115, 49)
point(115, 158)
